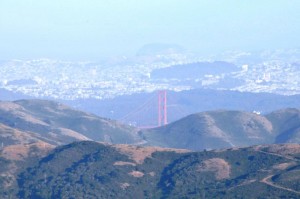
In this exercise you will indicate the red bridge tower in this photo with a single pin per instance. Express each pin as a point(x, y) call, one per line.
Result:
point(162, 108)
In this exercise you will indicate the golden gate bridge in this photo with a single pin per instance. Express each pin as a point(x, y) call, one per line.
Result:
point(153, 112)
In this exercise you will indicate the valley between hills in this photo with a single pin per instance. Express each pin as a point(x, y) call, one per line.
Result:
point(49, 150)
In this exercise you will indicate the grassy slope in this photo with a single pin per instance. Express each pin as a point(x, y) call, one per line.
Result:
point(58, 124)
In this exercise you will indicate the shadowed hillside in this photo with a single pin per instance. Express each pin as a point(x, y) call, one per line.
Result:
point(224, 129)
point(286, 124)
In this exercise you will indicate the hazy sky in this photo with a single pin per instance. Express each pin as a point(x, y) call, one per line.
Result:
point(91, 29)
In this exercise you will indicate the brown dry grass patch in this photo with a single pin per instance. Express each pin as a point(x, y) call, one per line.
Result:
point(284, 166)
point(219, 166)
point(139, 154)
point(136, 174)
point(22, 151)
point(121, 163)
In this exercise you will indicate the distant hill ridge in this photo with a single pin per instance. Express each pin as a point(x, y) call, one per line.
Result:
point(27, 121)
point(52, 123)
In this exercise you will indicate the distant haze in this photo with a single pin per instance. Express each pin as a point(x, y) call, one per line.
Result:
point(93, 29)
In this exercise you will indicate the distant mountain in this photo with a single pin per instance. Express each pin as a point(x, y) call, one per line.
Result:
point(28, 121)
point(93, 170)
point(224, 129)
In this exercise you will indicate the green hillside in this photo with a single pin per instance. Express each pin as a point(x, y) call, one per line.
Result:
point(94, 170)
